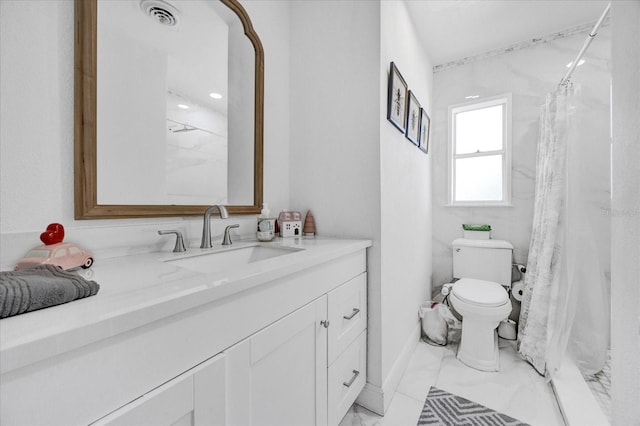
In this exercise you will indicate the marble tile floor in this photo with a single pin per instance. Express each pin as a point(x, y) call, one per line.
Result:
point(517, 390)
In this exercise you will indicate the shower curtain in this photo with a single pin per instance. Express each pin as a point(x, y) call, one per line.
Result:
point(565, 308)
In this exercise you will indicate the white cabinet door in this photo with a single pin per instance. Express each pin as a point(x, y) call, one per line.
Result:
point(210, 392)
point(194, 398)
point(278, 376)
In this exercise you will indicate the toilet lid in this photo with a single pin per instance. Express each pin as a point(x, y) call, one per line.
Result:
point(479, 292)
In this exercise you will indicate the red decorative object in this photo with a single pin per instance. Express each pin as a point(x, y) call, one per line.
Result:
point(65, 255)
point(53, 235)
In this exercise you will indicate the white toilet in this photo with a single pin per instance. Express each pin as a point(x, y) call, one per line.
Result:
point(480, 297)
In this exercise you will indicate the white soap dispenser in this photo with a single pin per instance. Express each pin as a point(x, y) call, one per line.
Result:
point(266, 224)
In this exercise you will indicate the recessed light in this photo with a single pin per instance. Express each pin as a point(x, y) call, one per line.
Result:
point(215, 95)
point(183, 106)
point(472, 97)
point(580, 62)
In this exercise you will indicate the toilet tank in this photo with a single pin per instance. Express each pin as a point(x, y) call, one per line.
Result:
point(488, 260)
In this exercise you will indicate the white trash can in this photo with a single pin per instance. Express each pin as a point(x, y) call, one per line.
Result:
point(434, 323)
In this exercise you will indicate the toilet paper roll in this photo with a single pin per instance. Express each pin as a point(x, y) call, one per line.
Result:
point(517, 289)
point(508, 329)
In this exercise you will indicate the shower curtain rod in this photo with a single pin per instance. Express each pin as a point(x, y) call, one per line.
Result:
point(585, 46)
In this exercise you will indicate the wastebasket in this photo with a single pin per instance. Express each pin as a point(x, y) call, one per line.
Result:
point(434, 323)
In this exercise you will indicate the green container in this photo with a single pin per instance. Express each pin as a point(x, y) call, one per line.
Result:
point(468, 227)
point(476, 232)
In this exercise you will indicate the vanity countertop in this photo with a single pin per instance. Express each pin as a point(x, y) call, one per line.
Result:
point(140, 289)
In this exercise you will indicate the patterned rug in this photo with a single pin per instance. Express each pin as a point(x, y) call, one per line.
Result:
point(446, 409)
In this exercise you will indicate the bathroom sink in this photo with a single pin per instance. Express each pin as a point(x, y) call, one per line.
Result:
point(224, 260)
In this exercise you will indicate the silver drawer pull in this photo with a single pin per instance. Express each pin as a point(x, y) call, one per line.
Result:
point(356, 373)
point(353, 314)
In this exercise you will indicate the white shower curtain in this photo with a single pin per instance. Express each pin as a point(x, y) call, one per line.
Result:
point(565, 308)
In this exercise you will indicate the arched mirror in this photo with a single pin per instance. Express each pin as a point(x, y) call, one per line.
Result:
point(168, 108)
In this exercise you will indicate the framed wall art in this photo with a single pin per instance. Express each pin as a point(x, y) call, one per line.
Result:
point(425, 125)
point(397, 99)
point(413, 119)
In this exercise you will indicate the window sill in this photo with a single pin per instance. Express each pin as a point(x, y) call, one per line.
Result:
point(479, 205)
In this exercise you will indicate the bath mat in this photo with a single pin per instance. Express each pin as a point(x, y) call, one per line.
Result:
point(446, 409)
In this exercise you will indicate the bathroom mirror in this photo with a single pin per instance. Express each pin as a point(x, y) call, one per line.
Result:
point(168, 108)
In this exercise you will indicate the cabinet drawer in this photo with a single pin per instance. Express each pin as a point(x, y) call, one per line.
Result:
point(347, 377)
point(347, 314)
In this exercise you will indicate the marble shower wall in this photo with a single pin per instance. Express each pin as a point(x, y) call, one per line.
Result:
point(528, 74)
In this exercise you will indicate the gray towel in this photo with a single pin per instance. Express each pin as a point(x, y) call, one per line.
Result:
point(41, 287)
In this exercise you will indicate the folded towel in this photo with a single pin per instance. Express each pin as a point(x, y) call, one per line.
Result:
point(41, 287)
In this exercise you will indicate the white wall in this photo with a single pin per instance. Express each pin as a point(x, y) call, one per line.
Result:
point(335, 155)
point(36, 133)
point(334, 117)
point(625, 217)
point(529, 74)
point(271, 22)
point(405, 182)
point(37, 113)
point(355, 171)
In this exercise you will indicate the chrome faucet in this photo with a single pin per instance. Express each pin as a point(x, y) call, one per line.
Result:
point(206, 226)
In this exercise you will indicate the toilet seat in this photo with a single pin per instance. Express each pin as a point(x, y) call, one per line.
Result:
point(480, 293)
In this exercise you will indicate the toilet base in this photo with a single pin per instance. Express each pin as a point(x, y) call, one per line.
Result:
point(481, 354)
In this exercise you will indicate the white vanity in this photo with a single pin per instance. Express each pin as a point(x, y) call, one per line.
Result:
point(278, 337)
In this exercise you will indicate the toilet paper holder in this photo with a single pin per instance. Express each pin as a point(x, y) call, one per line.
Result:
point(517, 287)
point(517, 290)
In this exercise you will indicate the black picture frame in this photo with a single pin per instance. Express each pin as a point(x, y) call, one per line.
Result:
point(413, 119)
point(425, 127)
point(397, 98)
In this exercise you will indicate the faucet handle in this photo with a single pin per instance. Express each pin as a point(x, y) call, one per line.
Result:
point(226, 240)
point(179, 247)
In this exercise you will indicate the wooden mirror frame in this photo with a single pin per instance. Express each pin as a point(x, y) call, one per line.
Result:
point(85, 136)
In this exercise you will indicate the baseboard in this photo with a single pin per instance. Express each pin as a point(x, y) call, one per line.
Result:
point(372, 398)
point(399, 367)
point(376, 398)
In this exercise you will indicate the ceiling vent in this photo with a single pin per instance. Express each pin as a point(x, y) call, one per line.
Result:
point(160, 11)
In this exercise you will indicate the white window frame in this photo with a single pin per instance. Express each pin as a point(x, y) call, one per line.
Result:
point(504, 99)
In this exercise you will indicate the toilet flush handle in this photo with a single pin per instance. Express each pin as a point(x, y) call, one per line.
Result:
point(458, 249)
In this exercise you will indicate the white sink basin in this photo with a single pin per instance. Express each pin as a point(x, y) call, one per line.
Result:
point(231, 258)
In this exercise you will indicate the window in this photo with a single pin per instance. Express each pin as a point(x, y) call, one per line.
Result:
point(480, 152)
point(38, 253)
